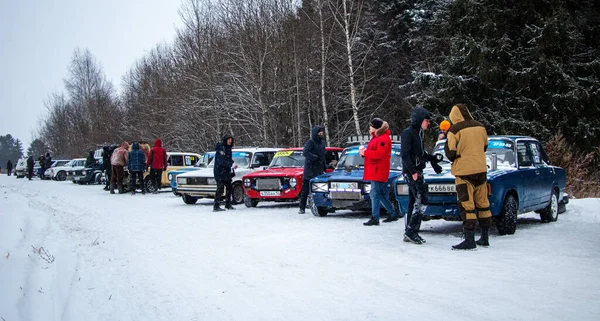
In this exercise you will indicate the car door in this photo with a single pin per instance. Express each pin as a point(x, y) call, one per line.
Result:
point(528, 176)
point(543, 174)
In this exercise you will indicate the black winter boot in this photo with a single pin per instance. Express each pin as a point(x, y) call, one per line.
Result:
point(217, 208)
point(484, 239)
point(468, 243)
point(371, 222)
point(112, 188)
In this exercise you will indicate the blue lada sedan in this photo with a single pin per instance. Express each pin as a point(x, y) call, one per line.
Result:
point(520, 180)
point(344, 188)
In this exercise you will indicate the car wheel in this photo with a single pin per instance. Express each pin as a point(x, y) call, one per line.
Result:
point(550, 213)
point(250, 202)
point(150, 187)
point(61, 176)
point(98, 178)
point(189, 199)
point(506, 222)
point(316, 210)
point(238, 194)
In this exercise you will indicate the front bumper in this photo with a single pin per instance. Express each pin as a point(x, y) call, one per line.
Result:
point(197, 191)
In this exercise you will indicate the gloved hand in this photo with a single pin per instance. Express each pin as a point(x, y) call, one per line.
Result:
point(437, 168)
point(439, 157)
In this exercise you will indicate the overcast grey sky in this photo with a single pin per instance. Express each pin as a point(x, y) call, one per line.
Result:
point(38, 37)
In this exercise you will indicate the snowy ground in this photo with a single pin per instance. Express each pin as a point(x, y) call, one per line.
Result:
point(73, 252)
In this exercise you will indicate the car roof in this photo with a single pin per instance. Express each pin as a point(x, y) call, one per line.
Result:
point(339, 149)
point(182, 153)
point(394, 146)
point(255, 149)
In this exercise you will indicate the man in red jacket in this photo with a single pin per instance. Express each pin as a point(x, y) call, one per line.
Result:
point(377, 170)
point(157, 161)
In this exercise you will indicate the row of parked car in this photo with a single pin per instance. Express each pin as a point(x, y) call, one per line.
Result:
point(520, 179)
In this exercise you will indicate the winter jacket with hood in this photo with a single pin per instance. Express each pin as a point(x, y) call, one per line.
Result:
point(157, 159)
point(314, 154)
point(90, 160)
point(223, 159)
point(378, 155)
point(120, 155)
point(413, 153)
point(466, 143)
point(137, 159)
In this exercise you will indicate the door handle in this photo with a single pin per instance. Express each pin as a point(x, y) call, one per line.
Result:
point(537, 172)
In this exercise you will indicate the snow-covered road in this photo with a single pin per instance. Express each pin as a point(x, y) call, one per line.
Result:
point(70, 252)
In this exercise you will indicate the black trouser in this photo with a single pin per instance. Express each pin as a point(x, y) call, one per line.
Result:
point(417, 203)
point(9, 171)
point(304, 193)
point(221, 185)
point(133, 180)
point(108, 173)
point(156, 178)
point(30, 173)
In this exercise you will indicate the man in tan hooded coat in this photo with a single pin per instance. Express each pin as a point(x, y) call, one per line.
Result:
point(466, 145)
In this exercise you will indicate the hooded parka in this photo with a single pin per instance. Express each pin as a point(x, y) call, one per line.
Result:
point(314, 154)
point(378, 155)
point(223, 159)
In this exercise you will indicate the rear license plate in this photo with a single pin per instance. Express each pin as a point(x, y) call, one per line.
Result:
point(270, 193)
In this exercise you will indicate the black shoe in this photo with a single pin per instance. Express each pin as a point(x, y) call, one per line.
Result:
point(391, 219)
point(420, 238)
point(412, 239)
point(468, 243)
point(229, 207)
point(218, 209)
point(301, 212)
point(484, 240)
point(371, 222)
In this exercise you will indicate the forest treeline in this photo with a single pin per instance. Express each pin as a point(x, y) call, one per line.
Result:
point(268, 70)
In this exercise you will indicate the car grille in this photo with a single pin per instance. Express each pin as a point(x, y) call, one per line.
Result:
point(345, 195)
point(268, 184)
point(197, 181)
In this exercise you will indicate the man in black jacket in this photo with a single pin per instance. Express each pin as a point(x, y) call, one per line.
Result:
point(314, 162)
point(30, 162)
point(223, 172)
point(414, 158)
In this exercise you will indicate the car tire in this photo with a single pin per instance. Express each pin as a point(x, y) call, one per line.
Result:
point(550, 213)
point(250, 202)
point(506, 222)
point(61, 176)
point(189, 199)
point(314, 209)
point(98, 178)
point(237, 194)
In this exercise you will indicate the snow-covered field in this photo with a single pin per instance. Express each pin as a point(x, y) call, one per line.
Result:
point(70, 252)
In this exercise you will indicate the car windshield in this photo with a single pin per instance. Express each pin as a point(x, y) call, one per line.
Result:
point(351, 158)
point(242, 159)
point(59, 163)
point(504, 152)
point(288, 158)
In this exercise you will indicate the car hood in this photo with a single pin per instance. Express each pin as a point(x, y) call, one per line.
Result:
point(342, 175)
point(445, 176)
point(277, 172)
point(184, 170)
point(204, 172)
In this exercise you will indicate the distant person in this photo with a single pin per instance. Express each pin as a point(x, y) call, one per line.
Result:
point(137, 167)
point(378, 154)
point(118, 160)
point(314, 162)
point(444, 126)
point(30, 163)
point(157, 162)
point(90, 160)
point(465, 148)
point(47, 164)
point(9, 167)
point(106, 154)
point(223, 172)
point(414, 160)
point(42, 164)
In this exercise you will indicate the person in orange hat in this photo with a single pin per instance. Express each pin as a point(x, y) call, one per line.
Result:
point(444, 126)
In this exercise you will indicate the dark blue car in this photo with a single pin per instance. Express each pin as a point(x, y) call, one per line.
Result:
point(344, 188)
point(520, 180)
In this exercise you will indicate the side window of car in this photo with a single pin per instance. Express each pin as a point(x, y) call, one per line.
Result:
point(176, 160)
point(331, 157)
point(190, 160)
point(523, 155)
point(537, 155)
point(263, 159)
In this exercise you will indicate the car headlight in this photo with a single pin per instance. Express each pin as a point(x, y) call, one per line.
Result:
point(247, 182)
point(83, 172)
point(319, 187)
point(293, 182)
point(181, 180)
point(367, 188)
point(170, 176)
point(402, 189)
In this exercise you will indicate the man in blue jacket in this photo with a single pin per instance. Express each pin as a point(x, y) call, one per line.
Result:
point(223, 172)
point(314, 162)
point(137, 166)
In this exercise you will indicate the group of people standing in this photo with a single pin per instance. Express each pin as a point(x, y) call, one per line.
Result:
point(466, 144)
point(138, 161)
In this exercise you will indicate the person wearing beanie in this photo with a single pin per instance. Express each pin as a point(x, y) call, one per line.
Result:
point(314, 162)
point(444, 126)
point(465, 148)
point(377, 156)
point(414, 158)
